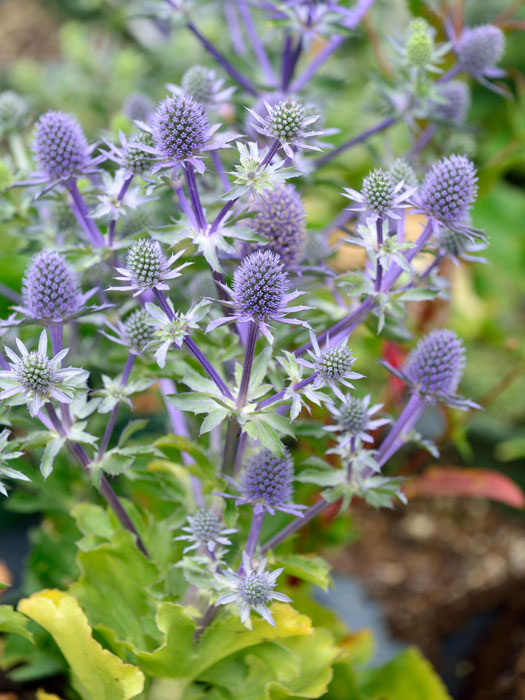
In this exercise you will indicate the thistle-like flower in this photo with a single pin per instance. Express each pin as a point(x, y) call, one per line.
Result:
point(419, 46)
point(138, 107)
point(332, 365)
point(402, 171)
point(182, 133)
point(479, 49)
point(454, 102)
point(13, 111)
point(147, 267)
point(380, 196)
point(51, 289)
point(253, 589)
point(354, 419)
point(266, 484)
point(61, 149)
point(130, 154)
point(202, 84)
point(118, 197)
point(286, 121)
point(455, 245)
point(135, 332)
point(7, 453)
point(434, 369)
point(260, 294)
point(280, 219)
point(204, 529)
point(253, 178)
point(448, 191)
point(35, 379)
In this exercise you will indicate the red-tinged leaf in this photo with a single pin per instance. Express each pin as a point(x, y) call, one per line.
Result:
point(475, 483)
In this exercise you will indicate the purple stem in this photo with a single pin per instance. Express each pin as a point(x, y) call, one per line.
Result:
point(271, 152)
point(393, 441)
point(255, 531)
point(317, 62)
point(286, 58)
point(256, 43)
point(235, 30)
point(185, 205)
point(56, 333)
point(105, 487)
point(113, 416)
point(385, 124)
point(248, 362)
point(424, 137)
point(220, 216)
point(192, 347)
point(178, 424)
point(195, 199)
point(81, 213)
point(292, 63)
point(228, 67)
point(120, 197)
point(451, 73)
point(9, 293)
point(379, 273)
point(219, 169)
point(295, 525)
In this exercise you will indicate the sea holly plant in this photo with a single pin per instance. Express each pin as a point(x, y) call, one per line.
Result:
point(223, 323)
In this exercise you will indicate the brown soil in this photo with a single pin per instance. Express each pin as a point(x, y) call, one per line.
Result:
point(26, 31)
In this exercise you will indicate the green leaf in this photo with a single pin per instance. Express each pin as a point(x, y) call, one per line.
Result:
point(115, 463)
point(131, 428)
point(173, 445)
point(321, 477)
point(193, 401)
point(52, 449)
point(13, 622)
point(409, 676)
point(96, 673)
point(307, 568)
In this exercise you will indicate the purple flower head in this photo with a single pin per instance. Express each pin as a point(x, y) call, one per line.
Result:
point(287, 122)
point(60, 145)
point(204, 528)
point(280, 218)
point(456, 101)
point(455, 244)
point(35, 378)
point(267, 484)
point(134, 154)
point(449, 189)
point(180, 128)
point(332, 364)
point(138, 107)
point(480, 48)
point(251, 589)
point(437, 362)
point(260, 294)
point(50, 289)
point(434, 369)
point(354, 419)
point(402, 171)
point(147, 267)
point(380, 195)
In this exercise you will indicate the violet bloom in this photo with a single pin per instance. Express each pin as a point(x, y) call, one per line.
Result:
point(253, 589)
point(454, 102)
point(147, 267)
point(288, 123)
point(280, 219)
point(135, 332)
point(380, 196)
point(448, 192)
point(138, 107)
point(434, 368)
point(260, 294)
point(204, 529)
point(62, 150)
point(182, 133)
point(479, 49)
point(402, 171)
point(202, 84)
point(455, 246)
point(266, 484)
point(355, 420)
point(35, 379)
point(332, 365)
point(130, 155)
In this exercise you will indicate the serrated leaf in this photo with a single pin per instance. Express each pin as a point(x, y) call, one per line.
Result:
point(52, 449)
point(307, 568)
point(173, 445)
point(131, 428)
point(13, 622)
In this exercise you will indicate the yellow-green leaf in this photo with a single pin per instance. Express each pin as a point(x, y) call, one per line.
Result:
point(96, 673)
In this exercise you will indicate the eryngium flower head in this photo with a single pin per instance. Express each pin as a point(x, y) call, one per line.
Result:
point(280, 218)
point(259, 285)
point(266, 484)
point(456, 101)
point(449, 189)
point(13, 111)
point(198, 82)
point(138, 330)
point(354, 418)
point(36, 378)
point(287, 122)
point(138, 107)
point(480, 48)
point(147, 267)
point(402, 171)
point(251, 589)
point(60, 145)
point(51, 289)
point(378, 191)
point(437, 362)
point(205, 529)
point(419, 47)
point(455, 244)
point(180, 127)
point(332, 365)
point(136, 160)
point(267, 480)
